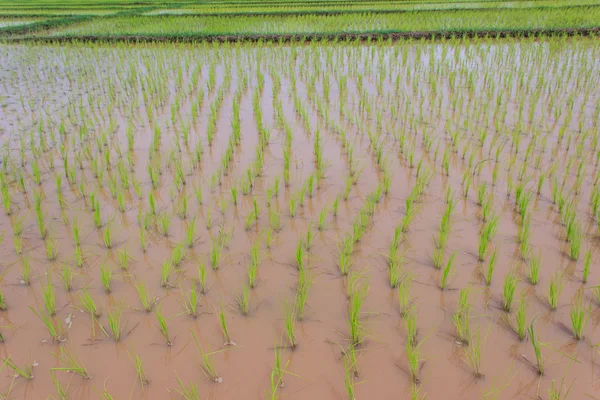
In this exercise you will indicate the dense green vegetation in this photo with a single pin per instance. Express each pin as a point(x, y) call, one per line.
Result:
point(160, 19)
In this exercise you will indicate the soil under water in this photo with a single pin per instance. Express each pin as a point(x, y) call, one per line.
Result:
point(396, 92)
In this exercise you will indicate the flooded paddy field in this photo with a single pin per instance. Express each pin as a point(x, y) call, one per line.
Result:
point(349, 219)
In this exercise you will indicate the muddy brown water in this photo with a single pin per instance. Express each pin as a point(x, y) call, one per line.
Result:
point(409, 89)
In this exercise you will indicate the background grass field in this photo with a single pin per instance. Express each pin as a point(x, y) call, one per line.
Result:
point(239, 20)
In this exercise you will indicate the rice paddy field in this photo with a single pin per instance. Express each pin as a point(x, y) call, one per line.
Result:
point(331, 202)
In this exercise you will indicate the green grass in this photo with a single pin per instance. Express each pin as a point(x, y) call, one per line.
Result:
point(417, 21)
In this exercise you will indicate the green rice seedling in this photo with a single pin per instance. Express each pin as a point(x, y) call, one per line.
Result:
point(250, 220)
point(536, 348)
point(97, 216)
point(123, 257)
point(145, 299)
point(349, 380)
point(114, 323)
point(322, 216)
point(49, 295)
point(25, 271)
point(6, 200)
point(18, 243)
point(413, 353)
point(586, 266)
point(355, 325)
point(60, 391)
point(521, 318)
point(347, 188)
point(208, 365)
point(106, 277)
point(215, 254)
point(560, 392)
point(344, 261)
point(88, 304)
point(335, 206)
point(139, 370)
point(576, 238)
point(152, 203)
point(234, 195)
point(71, 363)
point(534, 268)
point(309, 238)
point(24, 372)
point(268, 238)
point(51, 250)
point(165, 273)
point(253, 266)
point(2, 301)
point(289, 318)
point(54, 326)
point(199, 196)
point(540, 183)
point(164, 222)
point(410, 321)
point(189, 232)
point(224, 328)
point(76, 235)
point(274, 219)
point(143, 240)
point(121, 201)
point(579, 317)
point(66, 275)
point(202, 277)
point(490, 269)
point(481, 192)
point(462, 317)
point(300, 255)
point(187, 393)
point(304, 284)
point(107, 235)
point(243, 300)
point(162, 325)
point(554, 290)
point(178, 255)
point(404, 298)
point(508, 292)
point(415, 392)
point(473, 354)
point(183, 207)
point(190, 302)
point(293, 206)
point(447, 272)
point(395, 271)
